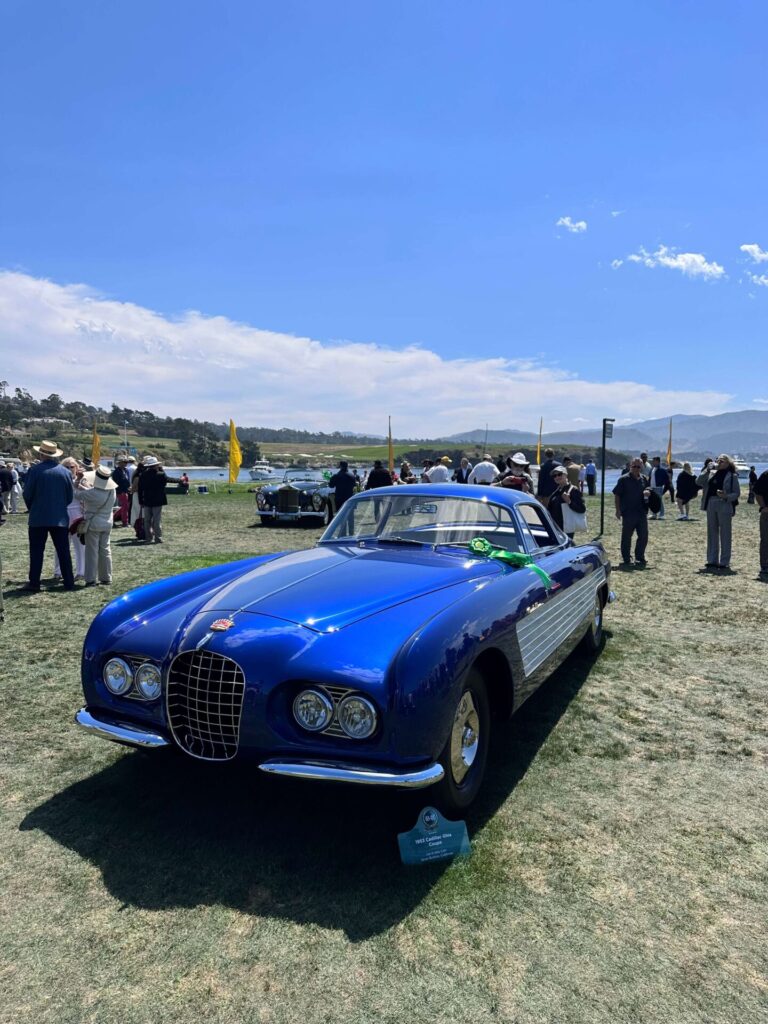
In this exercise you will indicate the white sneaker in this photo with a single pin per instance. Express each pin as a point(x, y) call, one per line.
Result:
point(681, 519)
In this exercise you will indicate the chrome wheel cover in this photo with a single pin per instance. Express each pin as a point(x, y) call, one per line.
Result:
point(465, 737)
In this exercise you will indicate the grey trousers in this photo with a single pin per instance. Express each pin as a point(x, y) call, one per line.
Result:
point(763, 541)
point(98, 555)
point(719, 528)
point(153, 529)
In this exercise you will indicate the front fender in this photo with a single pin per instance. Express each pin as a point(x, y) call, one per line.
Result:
point(433, 664)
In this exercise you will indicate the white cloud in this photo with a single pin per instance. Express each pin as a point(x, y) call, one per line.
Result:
point(760, 401)
point(574, 226)
point(617, 213)
point(759, 279)
point(615, 264)
point(68, 339)
point(692, 264)
point(757, 254)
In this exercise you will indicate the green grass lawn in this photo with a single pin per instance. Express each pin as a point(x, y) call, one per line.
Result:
point(619, 856)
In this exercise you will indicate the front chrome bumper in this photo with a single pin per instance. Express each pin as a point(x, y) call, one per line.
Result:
point(302, 514)
point(120, 732)
point(366, 776)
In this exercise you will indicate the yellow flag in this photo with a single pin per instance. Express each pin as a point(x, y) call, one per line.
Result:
point(669, 445)
point(235, 455)
point(95, 446)
point(391, 451)
point(538, 446)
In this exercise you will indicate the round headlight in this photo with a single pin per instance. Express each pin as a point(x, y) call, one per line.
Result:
point(117, 676)
point(317, 501)
point(149, 682)
point(313, 710)
point(357, 717)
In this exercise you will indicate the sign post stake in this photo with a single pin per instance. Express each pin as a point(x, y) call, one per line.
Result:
point(607, 432)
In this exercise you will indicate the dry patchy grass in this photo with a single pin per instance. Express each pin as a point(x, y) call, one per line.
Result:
point(619, 850)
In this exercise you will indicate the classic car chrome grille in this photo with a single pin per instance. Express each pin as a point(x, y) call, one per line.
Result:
point(205, 701)
point(287, 500)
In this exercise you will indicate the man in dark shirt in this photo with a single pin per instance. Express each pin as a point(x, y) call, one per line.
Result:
point(48, 490)
point(378, 477)
point(343, 484)
point(631, 497)
point(123, 481)
point(761, 493)
point(546, 485)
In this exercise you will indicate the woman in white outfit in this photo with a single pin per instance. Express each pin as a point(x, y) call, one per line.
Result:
point(97, 511)
point(74, 511)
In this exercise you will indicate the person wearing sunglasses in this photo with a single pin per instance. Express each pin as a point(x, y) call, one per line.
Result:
point(720, 486)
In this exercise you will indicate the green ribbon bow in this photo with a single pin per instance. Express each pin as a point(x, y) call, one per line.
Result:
point(481, 546)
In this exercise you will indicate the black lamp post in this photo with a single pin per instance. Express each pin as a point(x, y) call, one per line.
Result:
point(607, 432)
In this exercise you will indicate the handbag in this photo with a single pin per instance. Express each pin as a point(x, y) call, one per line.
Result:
point(573, 522)
point(74, 526)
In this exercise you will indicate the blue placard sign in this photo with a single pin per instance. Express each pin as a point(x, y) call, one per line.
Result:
point(433, 838)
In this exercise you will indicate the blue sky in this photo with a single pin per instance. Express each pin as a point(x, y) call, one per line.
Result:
point(379, 181)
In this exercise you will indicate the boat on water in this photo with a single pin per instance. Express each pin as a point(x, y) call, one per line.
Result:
point(262, 471)
point(742, 468)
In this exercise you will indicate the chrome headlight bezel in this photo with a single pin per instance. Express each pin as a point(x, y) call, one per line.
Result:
point(149, 669)
point(370, 716)
point(317, 501)
point(123, 667)
point(261, 501)
point(323, 703)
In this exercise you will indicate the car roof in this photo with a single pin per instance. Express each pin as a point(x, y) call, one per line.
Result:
point(499, 495)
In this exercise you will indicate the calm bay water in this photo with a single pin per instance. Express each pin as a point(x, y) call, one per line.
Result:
point(207, 474)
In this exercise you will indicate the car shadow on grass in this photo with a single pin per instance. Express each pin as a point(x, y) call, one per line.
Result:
point(168, 832)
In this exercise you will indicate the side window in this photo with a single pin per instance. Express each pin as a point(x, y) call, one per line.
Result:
point(539, 526)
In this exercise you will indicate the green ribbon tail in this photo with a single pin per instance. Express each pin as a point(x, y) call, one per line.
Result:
point(481, 546)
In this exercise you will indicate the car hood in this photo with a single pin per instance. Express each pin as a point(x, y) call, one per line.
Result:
point(332, 586)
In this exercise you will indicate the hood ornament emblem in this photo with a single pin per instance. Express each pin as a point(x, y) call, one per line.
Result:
point(221, 625)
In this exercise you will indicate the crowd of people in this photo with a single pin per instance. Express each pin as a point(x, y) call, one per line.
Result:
point(638, 495)
point(77, 504)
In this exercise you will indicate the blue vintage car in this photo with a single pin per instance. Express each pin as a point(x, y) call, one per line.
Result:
point(378, 657)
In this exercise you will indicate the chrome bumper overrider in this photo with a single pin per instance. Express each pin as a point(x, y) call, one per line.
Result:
point(327, 772)
point(133, 735)
point(611, 597)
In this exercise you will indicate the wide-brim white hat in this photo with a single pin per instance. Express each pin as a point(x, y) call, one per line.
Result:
point(150, 460)
point(102, 479)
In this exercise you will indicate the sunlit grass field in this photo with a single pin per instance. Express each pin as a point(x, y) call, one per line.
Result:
point(619, 854)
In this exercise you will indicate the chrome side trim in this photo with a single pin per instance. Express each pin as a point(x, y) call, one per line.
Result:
point(329, 772)
point(541, 633)
point(133, 735)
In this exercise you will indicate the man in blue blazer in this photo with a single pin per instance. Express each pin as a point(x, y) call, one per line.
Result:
point(48, 490)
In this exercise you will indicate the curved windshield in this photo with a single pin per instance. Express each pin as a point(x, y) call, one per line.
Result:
point(424, 519)
point(309, 475)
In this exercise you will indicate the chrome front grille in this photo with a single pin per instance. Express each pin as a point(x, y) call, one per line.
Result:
point(287, 500)
point(205, 701)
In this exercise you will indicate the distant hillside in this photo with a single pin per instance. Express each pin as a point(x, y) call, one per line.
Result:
point(744, 433)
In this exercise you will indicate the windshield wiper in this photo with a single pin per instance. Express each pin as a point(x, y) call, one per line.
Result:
point(403, 540)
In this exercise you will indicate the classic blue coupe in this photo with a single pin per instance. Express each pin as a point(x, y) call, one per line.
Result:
point(378, 657)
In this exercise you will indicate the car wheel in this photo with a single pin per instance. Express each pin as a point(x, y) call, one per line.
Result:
point(593, 638)
point(465, 753)
point(328, 517)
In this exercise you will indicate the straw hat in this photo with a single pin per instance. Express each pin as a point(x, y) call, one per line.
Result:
point(519, 459)
point(150, 460)
point(48, 450)
point(102, 479)
point(446, 461)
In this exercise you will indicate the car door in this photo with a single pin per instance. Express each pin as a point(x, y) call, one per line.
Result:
point(550, 627)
